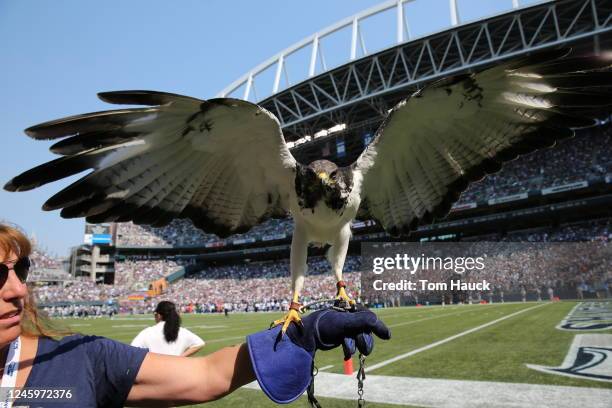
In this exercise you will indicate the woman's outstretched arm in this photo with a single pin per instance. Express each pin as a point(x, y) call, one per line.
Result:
point(169, 381)
point(283, 363)
point(192, 350)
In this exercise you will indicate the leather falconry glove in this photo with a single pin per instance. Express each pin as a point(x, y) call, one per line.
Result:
point(283, 364)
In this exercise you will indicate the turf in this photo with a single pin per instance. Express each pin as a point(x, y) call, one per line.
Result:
point(246, 398)
point(496, 353)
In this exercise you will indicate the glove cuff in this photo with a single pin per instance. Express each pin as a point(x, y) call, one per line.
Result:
point(283, 369)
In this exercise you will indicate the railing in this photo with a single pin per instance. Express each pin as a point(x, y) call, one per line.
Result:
point(397, 12)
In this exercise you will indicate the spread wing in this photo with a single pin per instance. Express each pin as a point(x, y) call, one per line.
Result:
point(433, 144)
point(223, 163)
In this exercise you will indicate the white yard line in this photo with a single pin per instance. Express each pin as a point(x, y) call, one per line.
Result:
point(429, 392)
point(410, 310)
point(224, 339)
point(434, 317)
point(448, 339)
point(425, 319)
point(327, 367)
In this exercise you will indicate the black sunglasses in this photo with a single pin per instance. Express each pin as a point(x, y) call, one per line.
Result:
point(21, 268)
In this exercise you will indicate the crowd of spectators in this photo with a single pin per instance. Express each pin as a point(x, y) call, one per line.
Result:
point(253, 283)
point(577, 159)
point(535, 266)
point(260, 285)
point(42, 260)
point(532, 269)
point(542, 262)
point(78, 290)
point(138, 274)
point(598, 230)
point(182, 233)
point(51, 275)
point(81, 311)
point(573, 259)
point(46, 266)
point(255, 294)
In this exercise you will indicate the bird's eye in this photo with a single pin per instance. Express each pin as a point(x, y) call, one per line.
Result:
point(333, 174)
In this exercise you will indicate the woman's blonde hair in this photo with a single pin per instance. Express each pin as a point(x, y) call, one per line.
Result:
point(35, 322)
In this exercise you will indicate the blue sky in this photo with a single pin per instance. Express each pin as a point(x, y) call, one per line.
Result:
point(56, 55)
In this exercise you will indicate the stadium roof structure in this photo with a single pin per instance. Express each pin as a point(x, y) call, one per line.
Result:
point(361, 89)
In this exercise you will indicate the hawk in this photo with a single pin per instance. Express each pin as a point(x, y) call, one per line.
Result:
point(224, 164)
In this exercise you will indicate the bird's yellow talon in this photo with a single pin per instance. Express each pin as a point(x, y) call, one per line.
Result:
point(292, 316)
point(343, 296)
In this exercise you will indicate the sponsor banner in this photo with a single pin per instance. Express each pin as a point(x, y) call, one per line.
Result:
point(447, 224)
point(609, 178)
point(243, 241)
point(101, 239)
point(340, 147)
point(526, 212)
point(589, 358)
point(507, 199)
point(362, 224)
point(215, 244)
point(588, 316)
point(274, 248)
point(97, 229)
point(463, 206)
point(98, 234)
point(273, 237)
point(566, 187)
point(136, 296)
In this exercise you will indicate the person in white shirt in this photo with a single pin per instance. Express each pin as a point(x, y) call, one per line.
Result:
point(167, 336)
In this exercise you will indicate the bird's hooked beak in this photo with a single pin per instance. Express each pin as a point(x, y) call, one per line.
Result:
point(324, 177)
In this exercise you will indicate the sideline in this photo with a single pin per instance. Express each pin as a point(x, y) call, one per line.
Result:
point(327, 367)
point(448, 339)
point(429, 392)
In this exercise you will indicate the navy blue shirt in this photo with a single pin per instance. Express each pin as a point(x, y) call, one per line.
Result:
point(99, 371)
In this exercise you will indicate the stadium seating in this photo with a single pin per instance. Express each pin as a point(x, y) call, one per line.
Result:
point(265, 286)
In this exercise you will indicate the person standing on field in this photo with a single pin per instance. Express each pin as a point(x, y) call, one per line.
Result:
point(167, 336)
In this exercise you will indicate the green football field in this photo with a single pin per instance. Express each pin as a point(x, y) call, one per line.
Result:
point(463, 342)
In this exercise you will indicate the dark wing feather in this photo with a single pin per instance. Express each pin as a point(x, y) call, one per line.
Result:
point(90, 122)
point(149, 98)
point(432, 145)
point(223, 163)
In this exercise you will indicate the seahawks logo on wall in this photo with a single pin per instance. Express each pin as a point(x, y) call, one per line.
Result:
point(589, 358)
point(588, 316)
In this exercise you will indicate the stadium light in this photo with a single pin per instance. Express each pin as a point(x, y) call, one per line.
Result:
point(338, 128)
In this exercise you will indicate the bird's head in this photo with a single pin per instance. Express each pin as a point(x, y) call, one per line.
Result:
point(323, 180)
point(325, 171)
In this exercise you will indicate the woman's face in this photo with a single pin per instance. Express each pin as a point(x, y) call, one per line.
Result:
point(12, 297)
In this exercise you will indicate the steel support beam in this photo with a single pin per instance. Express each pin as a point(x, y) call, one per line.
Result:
point(408, 65)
